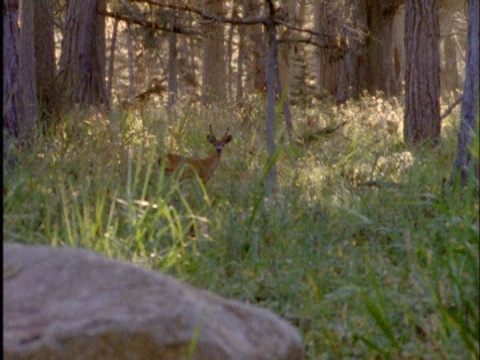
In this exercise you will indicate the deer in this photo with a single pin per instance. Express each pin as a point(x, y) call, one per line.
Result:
point(192, 166)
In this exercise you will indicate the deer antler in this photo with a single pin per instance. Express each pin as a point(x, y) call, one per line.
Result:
point(226, 133)
point(211, 131)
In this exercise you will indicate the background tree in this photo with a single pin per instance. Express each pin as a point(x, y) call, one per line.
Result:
point(450, 26)
point(469, 117)
point(81, 74)
point(27, 79)
point(45, 56)
point(19, 84)
point(422, 73)
point(271, 81)
point(11, 97)
point(381, 70)
point(329, 52)
point(214, 65)
point(256, 48)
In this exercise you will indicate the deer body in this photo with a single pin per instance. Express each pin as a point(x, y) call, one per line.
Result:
point(204, 168)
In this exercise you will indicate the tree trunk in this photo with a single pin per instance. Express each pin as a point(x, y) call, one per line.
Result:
point(271, 81)
point(352, 77)
point(291, 57)
point(256, 49)
point(449, 74)
point(81, 74)
point(240, 62)
point(172, 68)
point(19, 84)
point(422, 73)
point(328, 54)
point(381, 70)
point(229, 60)
point(398, 44)
point(45, 57)
point(27, 80)
point(131, 67)
point(214, 66)
point(469, 116)
point(101, 46)
point(451, 81)
point(11, 96)
point(111, 60)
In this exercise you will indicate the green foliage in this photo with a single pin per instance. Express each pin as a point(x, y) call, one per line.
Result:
point(364, 248)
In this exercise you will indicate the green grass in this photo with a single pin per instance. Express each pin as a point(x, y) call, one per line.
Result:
point(365, 272)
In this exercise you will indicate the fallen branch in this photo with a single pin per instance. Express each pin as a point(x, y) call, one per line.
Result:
point(382, 184)
point(451, 107)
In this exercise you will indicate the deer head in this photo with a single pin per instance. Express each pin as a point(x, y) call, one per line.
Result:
point(219, 144)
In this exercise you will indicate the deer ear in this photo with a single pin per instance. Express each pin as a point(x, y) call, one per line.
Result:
point(211, 138)
point(227, 139)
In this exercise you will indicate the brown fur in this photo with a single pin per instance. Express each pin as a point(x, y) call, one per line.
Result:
point(205, 167)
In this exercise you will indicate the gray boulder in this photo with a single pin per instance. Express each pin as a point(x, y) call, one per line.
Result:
point(65, 303)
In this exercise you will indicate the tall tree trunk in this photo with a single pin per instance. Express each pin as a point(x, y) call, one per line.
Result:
point(172, 67)
point(329, 55)
point(353, 75)
point(45, 57)
point(470, 105)
point(450, 75)
point(101, 47)
point(290, 59)
point(214, 66)
point(11, 96)
point(240, 62)
point(81, 74)
point(26, 61)
point(271, 81)
point(131, 67)
point(422, 75)
point(381, 70)
point(398, 44)
point(19, 84)
point(229, 61)
point(256, 47)
point(111, 60)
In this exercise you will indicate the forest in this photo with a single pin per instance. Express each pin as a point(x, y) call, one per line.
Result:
point(341, 191)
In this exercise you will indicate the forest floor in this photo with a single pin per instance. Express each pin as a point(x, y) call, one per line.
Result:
point(363, 246)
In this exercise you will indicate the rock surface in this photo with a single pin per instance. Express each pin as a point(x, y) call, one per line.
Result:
point(65, 303)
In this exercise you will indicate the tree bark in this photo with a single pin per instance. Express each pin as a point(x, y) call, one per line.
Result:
point(469, 114)
point(11, 96)
point(81, 74)
point(450, 71)
point(422, 73)
point(271, 82)
point(353, 75)
point(214, 66)
point(131, 67)
point(172, 68)
point(20, 104)
point(240, 62)
point(381, 70)
point(449, 74)
point(256, 46)
point(45, 58)
point(26, 61)
point(329, 55)
point(111, 60)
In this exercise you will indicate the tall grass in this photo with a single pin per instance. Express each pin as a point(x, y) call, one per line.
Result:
point(363, 248)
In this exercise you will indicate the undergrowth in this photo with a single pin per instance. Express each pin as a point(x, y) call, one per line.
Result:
point(364, 248)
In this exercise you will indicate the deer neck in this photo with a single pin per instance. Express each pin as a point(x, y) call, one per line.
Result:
point(214, 160)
